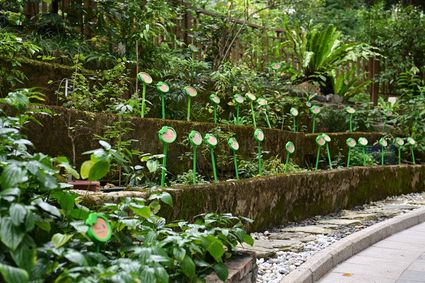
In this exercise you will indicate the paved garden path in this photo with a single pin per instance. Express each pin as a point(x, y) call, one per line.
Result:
point(399, 258)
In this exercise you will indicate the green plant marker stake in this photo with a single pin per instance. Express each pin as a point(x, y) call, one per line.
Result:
point(190, 93)
point(351, 143)
point(259, 137)
point(320, 140)
point(294, 112)
point(350, 111)
point(234, 146)
point(328, 152)
point(399, 142)
point(163, 88)
point(383, 143)
point(290, 148)
point(276, 66)
point(251, 99)
point(412, 144)
point(145, 79)
point(167, 135)
point(215, 100)
point(315, 110)
point(363, 143)
point(99, 229)
point(262, 104)
point(237, 100)
point(211, 140)
point(195, 139)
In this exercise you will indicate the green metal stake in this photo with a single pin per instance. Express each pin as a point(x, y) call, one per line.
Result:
point(328, 152)
point(234, 146)
point(195, 139)
point(251, 99)
point(163, 88)
point(290, 148)
point(262, 104)
point(167, 135)
point(211, 140)
point(259, 137)
point(145, 79)
point(237, 100)
point(315, 110)
point(383, 142)
point(412, 144)
point(190, 92)
point(215, 100)
point(363, 143)
point(351, 143)
point(294, 112)
point(350, 111)
point(399, 142)
point(320, 140)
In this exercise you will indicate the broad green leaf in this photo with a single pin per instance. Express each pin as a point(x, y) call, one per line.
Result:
point(99, 170)
point(161, 275)
point(148, 275)
point(152, 165)
point(58, 239)
point(10, 235)
point(76, 257)
point(85, 169)
point(166, 198)
point(188, 267)
point(221, 271)
point(216, 249)
point(17, 213)
point(11, 176)
point(105, 145)
point(53, 210)
point(25, 255)
point(12, 274)
point(141, 210)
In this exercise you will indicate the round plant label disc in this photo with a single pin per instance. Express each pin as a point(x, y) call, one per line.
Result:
point(259, 135)
point(327, 138)
point(238, 98)
point(167, 134)
point(276, 66)
point(250, 96)
point(320, 140)
point(290, 147)
point(351, 142)
point(350, 110)
point(214, 99)
point(262, 102)
point(211, 140)
point(162, 87)
point(195, 138)
point(315, 110)
point(411, 141)
point(233, 144)
point(399, 141)
point(191, 91)
point(144, 77)
point(100, 229)
point(383, 142)
point(363, 141)
point(294, 112)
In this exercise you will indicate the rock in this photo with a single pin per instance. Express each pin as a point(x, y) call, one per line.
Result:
point(355, 215)
point(346, 222)
point(309, 229)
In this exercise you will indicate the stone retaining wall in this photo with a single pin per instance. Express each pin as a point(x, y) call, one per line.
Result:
point(242, 269)
point(271, 201)
point(53, 138)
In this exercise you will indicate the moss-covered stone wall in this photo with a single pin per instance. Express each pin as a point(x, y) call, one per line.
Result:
point(54, 137)
point(271, 201)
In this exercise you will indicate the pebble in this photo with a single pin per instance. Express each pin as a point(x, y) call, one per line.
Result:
point(272, 270)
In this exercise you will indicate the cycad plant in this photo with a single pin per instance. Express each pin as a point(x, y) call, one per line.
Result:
point(319, 52)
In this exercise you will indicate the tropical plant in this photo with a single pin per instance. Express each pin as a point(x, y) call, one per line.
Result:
point(347, 83)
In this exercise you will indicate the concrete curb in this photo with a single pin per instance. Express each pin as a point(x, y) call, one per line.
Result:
point(324, 261)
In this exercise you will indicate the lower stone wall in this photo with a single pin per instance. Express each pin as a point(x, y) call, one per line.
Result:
point(271, 201)
point(242, 269)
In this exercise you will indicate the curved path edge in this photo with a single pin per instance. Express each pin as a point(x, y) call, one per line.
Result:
point(324, 261)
